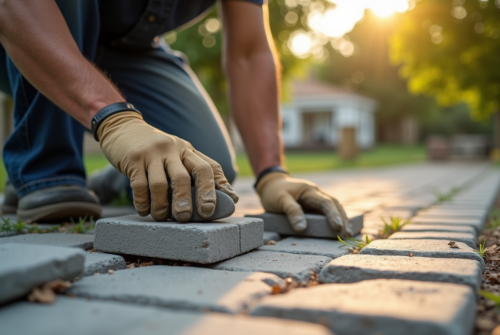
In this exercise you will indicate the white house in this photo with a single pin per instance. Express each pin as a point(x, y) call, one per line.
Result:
point(318, 112)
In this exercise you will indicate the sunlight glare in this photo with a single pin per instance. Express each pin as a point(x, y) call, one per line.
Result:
point(385, 8)
point(300, 44)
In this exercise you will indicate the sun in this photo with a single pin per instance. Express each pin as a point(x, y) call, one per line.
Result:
point(385, 8)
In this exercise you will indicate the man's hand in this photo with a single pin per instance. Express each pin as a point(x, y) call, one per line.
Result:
point(143, 153)
point(281, 194)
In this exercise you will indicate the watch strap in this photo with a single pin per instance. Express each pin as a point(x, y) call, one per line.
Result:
point(269, 170)
point(108, 111)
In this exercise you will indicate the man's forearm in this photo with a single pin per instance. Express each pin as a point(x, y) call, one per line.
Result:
point(255, 106)
point(37, 39)
point(251, 68)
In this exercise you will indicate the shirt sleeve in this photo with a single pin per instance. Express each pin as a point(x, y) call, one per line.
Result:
point(257, 2)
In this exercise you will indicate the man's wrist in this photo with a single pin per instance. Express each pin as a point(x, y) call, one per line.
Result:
point(107, 111)
point(270, 169)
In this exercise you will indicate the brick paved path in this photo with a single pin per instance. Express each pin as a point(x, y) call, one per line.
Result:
point(414, 282)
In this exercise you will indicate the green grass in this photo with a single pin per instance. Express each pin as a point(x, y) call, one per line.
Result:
point(382, 155)
point(394, 225)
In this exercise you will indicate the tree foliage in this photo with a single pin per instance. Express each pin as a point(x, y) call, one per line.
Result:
point(202, 45)
point(449, 49)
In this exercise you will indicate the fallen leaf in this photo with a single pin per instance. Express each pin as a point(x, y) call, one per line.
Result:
point(58, 285)
point(275, 289)
point(147, 264)
point(410, 254)
point(131, 266)
point(42, 295)
point(294, 243)
point(271, 242)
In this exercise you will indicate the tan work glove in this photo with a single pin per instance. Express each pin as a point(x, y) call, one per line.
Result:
point(281, 194)
point(147, 156)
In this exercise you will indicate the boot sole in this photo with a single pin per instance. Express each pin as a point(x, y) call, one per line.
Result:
point(6, 209)
point(60, 211)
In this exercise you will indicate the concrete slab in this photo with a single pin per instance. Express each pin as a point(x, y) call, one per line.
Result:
point(474, 223)
point(422, 248)
point(186, 288)
point(317, 226)
point(308, 246)
point(98, 262)
point(24, 267)
point(83, 317)
point(355, 268)
point(271, 235)
point(192, 242)
point(82, 241)
point(383, 306)
point(444, 228)
point(467, 238)
point(298, 267)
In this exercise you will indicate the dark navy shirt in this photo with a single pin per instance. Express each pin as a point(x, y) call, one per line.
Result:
point(137, 23)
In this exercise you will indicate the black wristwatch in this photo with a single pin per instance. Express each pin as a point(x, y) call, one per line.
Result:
point(110, 110)
point(269, 170)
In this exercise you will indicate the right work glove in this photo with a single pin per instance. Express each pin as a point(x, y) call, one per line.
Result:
point(147, 156)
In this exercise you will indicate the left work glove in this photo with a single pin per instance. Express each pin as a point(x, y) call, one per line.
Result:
point(280, 193)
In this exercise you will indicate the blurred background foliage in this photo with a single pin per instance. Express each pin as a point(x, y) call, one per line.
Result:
point(436, 62)
point(450, 50)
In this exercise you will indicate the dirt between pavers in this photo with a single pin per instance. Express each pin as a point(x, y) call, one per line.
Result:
point(488, 312)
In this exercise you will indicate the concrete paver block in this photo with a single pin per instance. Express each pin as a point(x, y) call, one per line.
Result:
point(467, 238)
point(82, 317)
point(422, 248)
point(383, 306)
point(191, 242)
point(24, 267)
point(82, 241)
point(438, 228)
point(284, 265)
point(308, 246)
point(355, 268)
point(98, 262)
point(271, 235)
point(225, 207)
point(474, 223)
point(187, 288)
point(317, 226)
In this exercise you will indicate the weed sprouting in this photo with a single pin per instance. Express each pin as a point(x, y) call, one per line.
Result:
point(446, 196)
point(396, 224)
point(22, 228)
point(491, 296)
point(81, 227)
point(355, 245)
point(482, 250)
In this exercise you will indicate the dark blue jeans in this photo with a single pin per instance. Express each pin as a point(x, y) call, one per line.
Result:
point(45, 148)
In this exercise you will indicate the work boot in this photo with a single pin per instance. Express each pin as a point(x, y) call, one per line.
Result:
point(108, 183)
point(10, 199)
point(58, 203)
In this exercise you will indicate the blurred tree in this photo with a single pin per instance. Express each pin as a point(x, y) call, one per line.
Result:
point(201, 43)
point(369, 71)
point(449, 49)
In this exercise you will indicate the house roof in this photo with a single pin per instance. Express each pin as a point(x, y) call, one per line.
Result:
point(313, 88)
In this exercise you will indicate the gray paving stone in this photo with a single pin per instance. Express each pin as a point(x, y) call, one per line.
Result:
point(83, 317)
point(458, 213)
point(284, 265)
point(474, 223)
point(98, 262)
point(82, 241)
point(191, 242)
point(445, 228)
point(422, 248)
point(317, 226)
point(187, 288)
point(382, 306)
point(271, 235)
point(467, 238)
point(24, 267)
point(355, 268)
point(308, 246)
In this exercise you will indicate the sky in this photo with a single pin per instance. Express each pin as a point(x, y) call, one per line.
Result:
point(332, 25)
